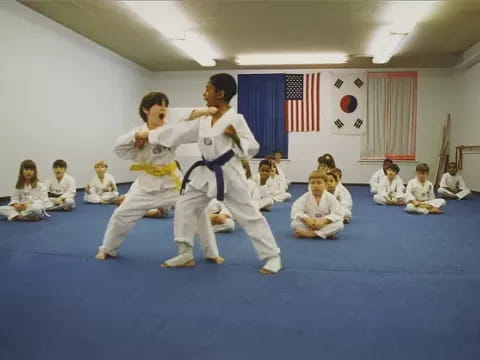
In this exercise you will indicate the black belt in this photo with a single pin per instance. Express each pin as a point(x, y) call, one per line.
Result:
point(215, 166)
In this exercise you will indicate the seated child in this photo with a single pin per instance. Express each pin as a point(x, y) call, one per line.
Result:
point(277, 157)
point(102, 189)
point(30, 197)
point(61, 187)
point(420, 197)
point(335, 187)
point(378, 175)
point(261, 180)
point(325, 162)
point(254, 190)
point(317, 213)
point(390, 189)
point(277, 187)
point(220, 217)
point(452, 185)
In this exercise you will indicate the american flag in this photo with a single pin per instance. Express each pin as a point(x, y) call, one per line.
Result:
point(302, 102)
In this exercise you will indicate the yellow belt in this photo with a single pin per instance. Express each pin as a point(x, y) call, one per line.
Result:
point(159, 171)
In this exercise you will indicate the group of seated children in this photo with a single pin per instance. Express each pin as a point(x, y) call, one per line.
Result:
point(269, 186)
point(32, 199)
point(419, 197)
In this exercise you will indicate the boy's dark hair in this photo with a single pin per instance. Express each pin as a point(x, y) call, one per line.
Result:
point(152, 98)
point(225, 82)
point(60, 164)
point(265, 162)
point(277, 151)
point(452, 163)
point(332, 174)
point(337, 172)
point(27, 164)
point(388, 161)
point(394, 167)
point(422, 167)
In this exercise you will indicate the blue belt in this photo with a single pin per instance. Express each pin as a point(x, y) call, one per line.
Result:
point(215, 166)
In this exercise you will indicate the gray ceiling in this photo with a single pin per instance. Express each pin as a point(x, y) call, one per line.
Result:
point(245, 26)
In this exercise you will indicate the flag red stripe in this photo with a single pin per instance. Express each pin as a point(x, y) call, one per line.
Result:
point(304, 115)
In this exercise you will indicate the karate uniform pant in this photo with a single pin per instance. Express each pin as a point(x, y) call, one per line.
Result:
point(460, 195)
point(68, 204)
point(102, 197)
point(324, 232)
point(282, 197)
point(136, 203)
point(31, 211)
point(194, 202)
point(382, 199)
point(227, 226)
point(438, 203)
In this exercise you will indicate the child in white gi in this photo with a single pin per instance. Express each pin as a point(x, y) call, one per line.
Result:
point(335, 187)
point(390, 189)
point(254, 190)
point(61, 187)
point(452, 185)
point(30, 198)
point(220, 217)
point(277, 186)
point(223, 139)
point(325, 162)
point(157, 187)
point(277, 156)
point(102, 189)
point(261, 180)
point(420, 197)
point(317, 213)
point(378, 175)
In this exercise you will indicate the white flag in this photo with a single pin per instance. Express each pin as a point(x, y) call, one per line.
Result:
point(348, 102)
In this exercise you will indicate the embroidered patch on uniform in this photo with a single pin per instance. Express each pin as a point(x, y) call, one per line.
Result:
point(157, 150)
point(207, 141)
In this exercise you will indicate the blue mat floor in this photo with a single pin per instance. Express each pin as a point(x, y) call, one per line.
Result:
point(392, 286)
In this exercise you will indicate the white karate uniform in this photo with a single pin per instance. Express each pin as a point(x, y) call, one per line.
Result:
point(421, 192)
point(149, 192)
point(64, 189)
point(265, 194)
point(345, 199)
point(101, 191)
point(259, 194)
point(453, 187)
point(390, 190)
point(203, 185)
point(218, 207)
point(328, 208)
point(283, 176)
point(375, 180)
point(277, 188)
point(36, 198)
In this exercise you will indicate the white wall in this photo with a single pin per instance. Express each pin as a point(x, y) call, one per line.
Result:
point(61, 96)
point(434, 102)
point(466, 126)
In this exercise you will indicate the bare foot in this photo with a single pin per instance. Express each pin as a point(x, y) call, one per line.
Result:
point(119, 200)
point(156, 213)
point(101, 255)
point(332, 237)
point(435, 210)
point(216, 260)
point(347, 220)
point(305, 234)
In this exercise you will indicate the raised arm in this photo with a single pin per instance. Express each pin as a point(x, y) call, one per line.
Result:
point(174, 135)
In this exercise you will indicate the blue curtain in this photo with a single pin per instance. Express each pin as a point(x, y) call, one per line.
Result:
point(261, 99)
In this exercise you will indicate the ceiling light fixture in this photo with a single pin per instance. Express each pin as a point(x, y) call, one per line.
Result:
point(169, 18)
point(291, 59)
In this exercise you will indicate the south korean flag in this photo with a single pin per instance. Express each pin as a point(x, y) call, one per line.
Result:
point(348, 102)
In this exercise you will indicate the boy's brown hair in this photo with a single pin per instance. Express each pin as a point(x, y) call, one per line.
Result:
point(27, 164)
point(101, 162)
point(422, 167)
point(150, 99)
